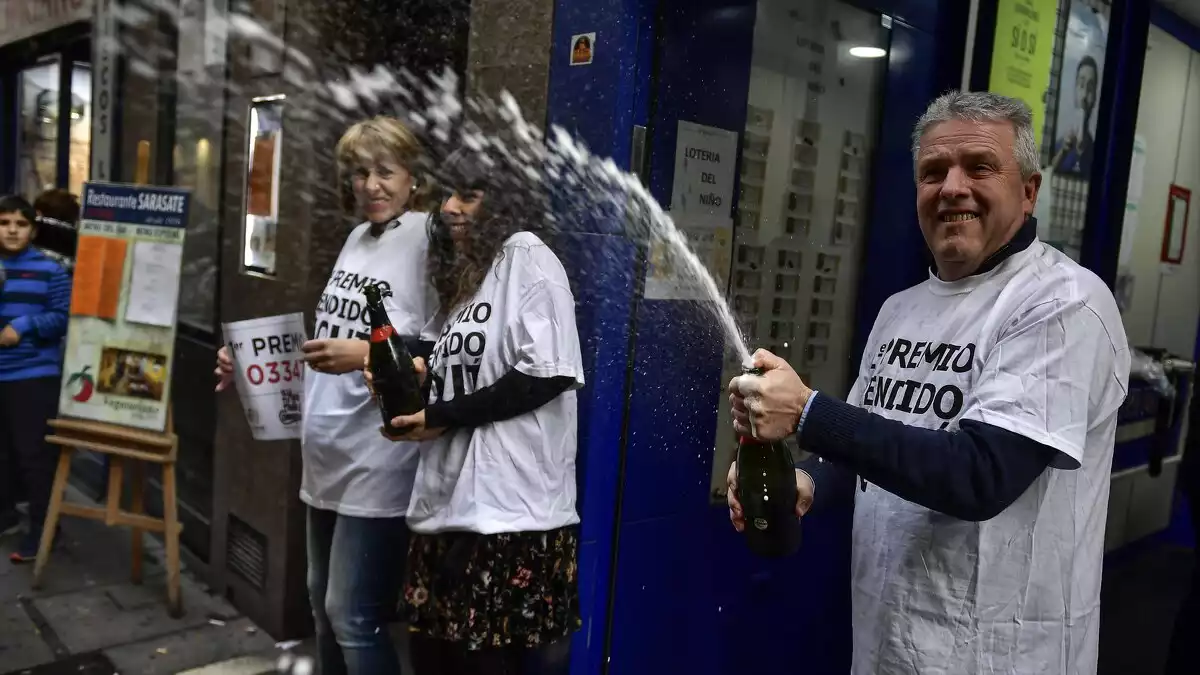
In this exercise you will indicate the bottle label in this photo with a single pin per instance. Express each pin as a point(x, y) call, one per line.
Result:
point(382, 333)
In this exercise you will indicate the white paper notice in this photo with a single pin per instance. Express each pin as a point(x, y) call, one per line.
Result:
point(269, 371)
point(154, 285)
point(704, 161)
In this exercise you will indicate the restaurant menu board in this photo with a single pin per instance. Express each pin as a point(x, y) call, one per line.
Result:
point(124, 301)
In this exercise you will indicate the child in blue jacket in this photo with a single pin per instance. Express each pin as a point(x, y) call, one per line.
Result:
point(35, 299)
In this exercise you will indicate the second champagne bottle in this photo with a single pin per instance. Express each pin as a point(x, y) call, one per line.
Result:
point(395, 381)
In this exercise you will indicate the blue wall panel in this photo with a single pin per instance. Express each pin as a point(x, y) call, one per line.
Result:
point(599, 104)
point(667, 615)
point(601, 269)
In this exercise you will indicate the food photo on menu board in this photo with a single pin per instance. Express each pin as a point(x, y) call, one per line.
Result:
point(133, 374)
point(1079, 90)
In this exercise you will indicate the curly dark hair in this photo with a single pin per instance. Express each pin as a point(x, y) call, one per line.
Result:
point(511, 203)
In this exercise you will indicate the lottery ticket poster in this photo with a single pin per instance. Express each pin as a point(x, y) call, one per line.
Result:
point(269, 373)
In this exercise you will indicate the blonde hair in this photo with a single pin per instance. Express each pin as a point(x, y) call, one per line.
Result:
point(383, 137)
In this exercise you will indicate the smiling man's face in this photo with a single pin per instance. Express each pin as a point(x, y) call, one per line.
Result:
point(971, 198)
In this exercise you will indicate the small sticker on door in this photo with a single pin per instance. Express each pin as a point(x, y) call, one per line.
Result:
point(583, 48)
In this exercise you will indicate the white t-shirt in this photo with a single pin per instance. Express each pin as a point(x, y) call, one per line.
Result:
point(348, 466)
point(1036, 347)
point(515, 475)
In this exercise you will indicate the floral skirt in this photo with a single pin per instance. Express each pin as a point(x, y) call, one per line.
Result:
point(496, 590)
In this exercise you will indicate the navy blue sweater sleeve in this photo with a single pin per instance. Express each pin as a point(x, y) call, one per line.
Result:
point(971, 474)
point(833, 484)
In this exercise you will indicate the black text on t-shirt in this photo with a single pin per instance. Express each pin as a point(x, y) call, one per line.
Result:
point(342, 315)
point(458, 351)
point(917, 396)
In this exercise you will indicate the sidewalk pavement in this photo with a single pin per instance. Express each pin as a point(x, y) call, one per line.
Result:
point(89, 619)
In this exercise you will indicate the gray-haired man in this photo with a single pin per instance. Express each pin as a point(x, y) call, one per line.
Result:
point(981, 424)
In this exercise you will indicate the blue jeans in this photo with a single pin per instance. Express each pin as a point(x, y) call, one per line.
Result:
point(355, 569)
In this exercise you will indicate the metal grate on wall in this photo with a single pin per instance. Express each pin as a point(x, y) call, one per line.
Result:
point(247, 552)
point(1069, 194)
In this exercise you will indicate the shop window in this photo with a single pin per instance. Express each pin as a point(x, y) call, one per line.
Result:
point(809, 142)
point(1072, 109)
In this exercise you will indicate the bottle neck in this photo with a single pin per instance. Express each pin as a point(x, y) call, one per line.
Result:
point(381, 326)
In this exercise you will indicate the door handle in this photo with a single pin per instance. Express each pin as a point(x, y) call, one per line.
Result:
point(637, 153)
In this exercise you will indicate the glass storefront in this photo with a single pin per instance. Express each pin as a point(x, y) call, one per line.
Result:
point(815, 89)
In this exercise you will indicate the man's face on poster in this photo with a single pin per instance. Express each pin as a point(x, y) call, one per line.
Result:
point(1085, 88)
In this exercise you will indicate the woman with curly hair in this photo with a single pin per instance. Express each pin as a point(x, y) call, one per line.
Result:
point(491, 581)
point(357, 485)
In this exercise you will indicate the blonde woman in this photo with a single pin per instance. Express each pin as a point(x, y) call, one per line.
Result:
point(356, 484)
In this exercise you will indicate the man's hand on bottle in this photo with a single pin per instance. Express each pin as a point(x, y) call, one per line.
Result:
point(767, 407)
point(805, 491)
point(335, 356)
point(224, 371)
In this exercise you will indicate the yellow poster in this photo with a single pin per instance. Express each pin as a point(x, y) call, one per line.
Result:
point(1021, 54)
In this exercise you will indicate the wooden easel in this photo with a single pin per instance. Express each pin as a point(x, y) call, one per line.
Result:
point(120, 444)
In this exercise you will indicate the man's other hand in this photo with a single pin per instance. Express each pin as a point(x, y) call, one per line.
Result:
point(804, 496)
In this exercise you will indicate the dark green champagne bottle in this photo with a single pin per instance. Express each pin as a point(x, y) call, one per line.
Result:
point(767, 491)
point(397, 387)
